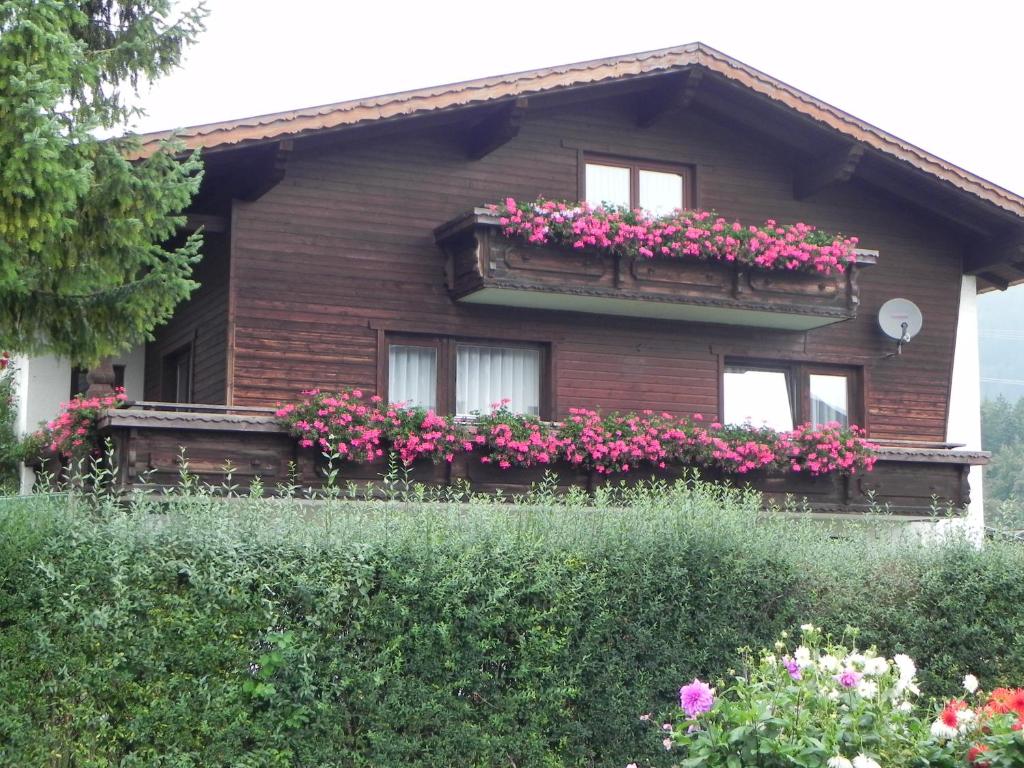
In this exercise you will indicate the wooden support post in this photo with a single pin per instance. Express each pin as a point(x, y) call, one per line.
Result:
point(100, 379)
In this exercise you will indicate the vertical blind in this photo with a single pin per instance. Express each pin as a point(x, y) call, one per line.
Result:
point(607, 184)
point(412, 375)
point(829, 399)
point(487, 375)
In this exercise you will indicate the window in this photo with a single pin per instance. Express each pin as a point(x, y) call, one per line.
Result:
point(412, 373)
point(177, 376)
point(463, 376)
point(781, 396)
point(80, 381)
point(485, 375)
point(655, 188)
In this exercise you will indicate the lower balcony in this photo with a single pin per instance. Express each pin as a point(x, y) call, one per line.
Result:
point(485, 267)
point(150, 439)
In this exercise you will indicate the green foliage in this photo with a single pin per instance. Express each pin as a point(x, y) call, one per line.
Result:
point(191, 631)
point(1002, 430)
point(85, 268)
point(9, 445)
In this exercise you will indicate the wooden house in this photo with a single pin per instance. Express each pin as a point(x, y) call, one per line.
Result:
point(349, 245)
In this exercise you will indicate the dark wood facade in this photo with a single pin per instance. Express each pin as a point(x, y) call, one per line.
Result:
point(341, 253)
point(327, 247)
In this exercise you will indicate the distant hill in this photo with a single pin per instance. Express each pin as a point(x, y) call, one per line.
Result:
point(1001, 328)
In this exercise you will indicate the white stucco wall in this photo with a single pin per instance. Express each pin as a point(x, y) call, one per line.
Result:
point(965, 399)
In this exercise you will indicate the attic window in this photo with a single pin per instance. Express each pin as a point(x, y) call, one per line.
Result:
point(656, 188)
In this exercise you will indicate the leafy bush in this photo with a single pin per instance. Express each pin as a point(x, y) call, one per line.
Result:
point(195, 631)
point(8, 433)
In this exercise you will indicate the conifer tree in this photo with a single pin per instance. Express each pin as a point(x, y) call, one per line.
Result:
point(90, 256)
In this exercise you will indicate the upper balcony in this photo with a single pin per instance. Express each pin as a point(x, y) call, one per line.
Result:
point(486, 267)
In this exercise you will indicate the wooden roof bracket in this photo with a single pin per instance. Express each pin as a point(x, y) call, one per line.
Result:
point(674, 95)
point(274, 164)
point(497, 129)
point(1006, 252)
point(835, 168)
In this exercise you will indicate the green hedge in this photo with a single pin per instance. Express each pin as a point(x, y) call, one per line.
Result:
point(250, 633)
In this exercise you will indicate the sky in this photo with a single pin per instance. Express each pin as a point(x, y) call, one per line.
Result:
point(945, 76)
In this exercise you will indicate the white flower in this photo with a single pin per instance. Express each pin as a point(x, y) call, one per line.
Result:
point(907, 670)
point(829, 663)
point(666, 743)
point(839, 762)
point(875, 665)
point(964, 719)
point(970, 683)
point(855, 660)
point(807, 628)
point(867, 689)
point(905, 706)
point(863, 761)
point(802, 656)
point(942, 731)
point(770, 660)
point(905, 664)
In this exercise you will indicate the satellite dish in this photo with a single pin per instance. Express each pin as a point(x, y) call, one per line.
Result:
point(900, 320)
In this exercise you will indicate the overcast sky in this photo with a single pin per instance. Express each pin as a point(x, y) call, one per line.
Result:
point(945, 76)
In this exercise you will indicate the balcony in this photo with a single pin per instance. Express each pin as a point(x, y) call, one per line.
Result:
point(910, 480)
point(485, 267)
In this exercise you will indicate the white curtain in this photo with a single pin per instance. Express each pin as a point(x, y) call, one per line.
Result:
point(412, 375)
point(758, 397)
point(829, 399)
point(660, 192)
point(607, 184)
point(487, 375)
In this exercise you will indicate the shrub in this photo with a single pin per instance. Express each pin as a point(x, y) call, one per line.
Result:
point(9, 455)
point(194, 631)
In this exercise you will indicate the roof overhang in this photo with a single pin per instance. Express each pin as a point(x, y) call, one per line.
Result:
point(921, 170)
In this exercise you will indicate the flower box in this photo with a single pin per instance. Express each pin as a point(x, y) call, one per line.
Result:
point(486, 267)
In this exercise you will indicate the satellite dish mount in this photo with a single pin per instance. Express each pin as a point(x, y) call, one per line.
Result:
point(900, 320)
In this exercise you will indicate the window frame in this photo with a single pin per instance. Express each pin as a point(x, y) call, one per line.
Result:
point(799, 373)
point(447, 364)
point(635, 165)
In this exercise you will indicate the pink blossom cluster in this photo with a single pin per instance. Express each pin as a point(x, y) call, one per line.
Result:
point(514, 440)
point(615, 443)
point(362, 429)
point(818, 450)
point(343, 424)
point(418, 434)
point(697, 235)
point(72, 433)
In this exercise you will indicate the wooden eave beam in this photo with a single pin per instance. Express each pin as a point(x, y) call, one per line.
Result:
point(1008, 251)
point(674, 95)
point(994, 280)
point(497, 129)
point(270, 171)
point(836, 168)
point(207, 221)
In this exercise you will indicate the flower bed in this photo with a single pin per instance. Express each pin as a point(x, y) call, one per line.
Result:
point(829, 704)
point(353, 427)
point(695, 235)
